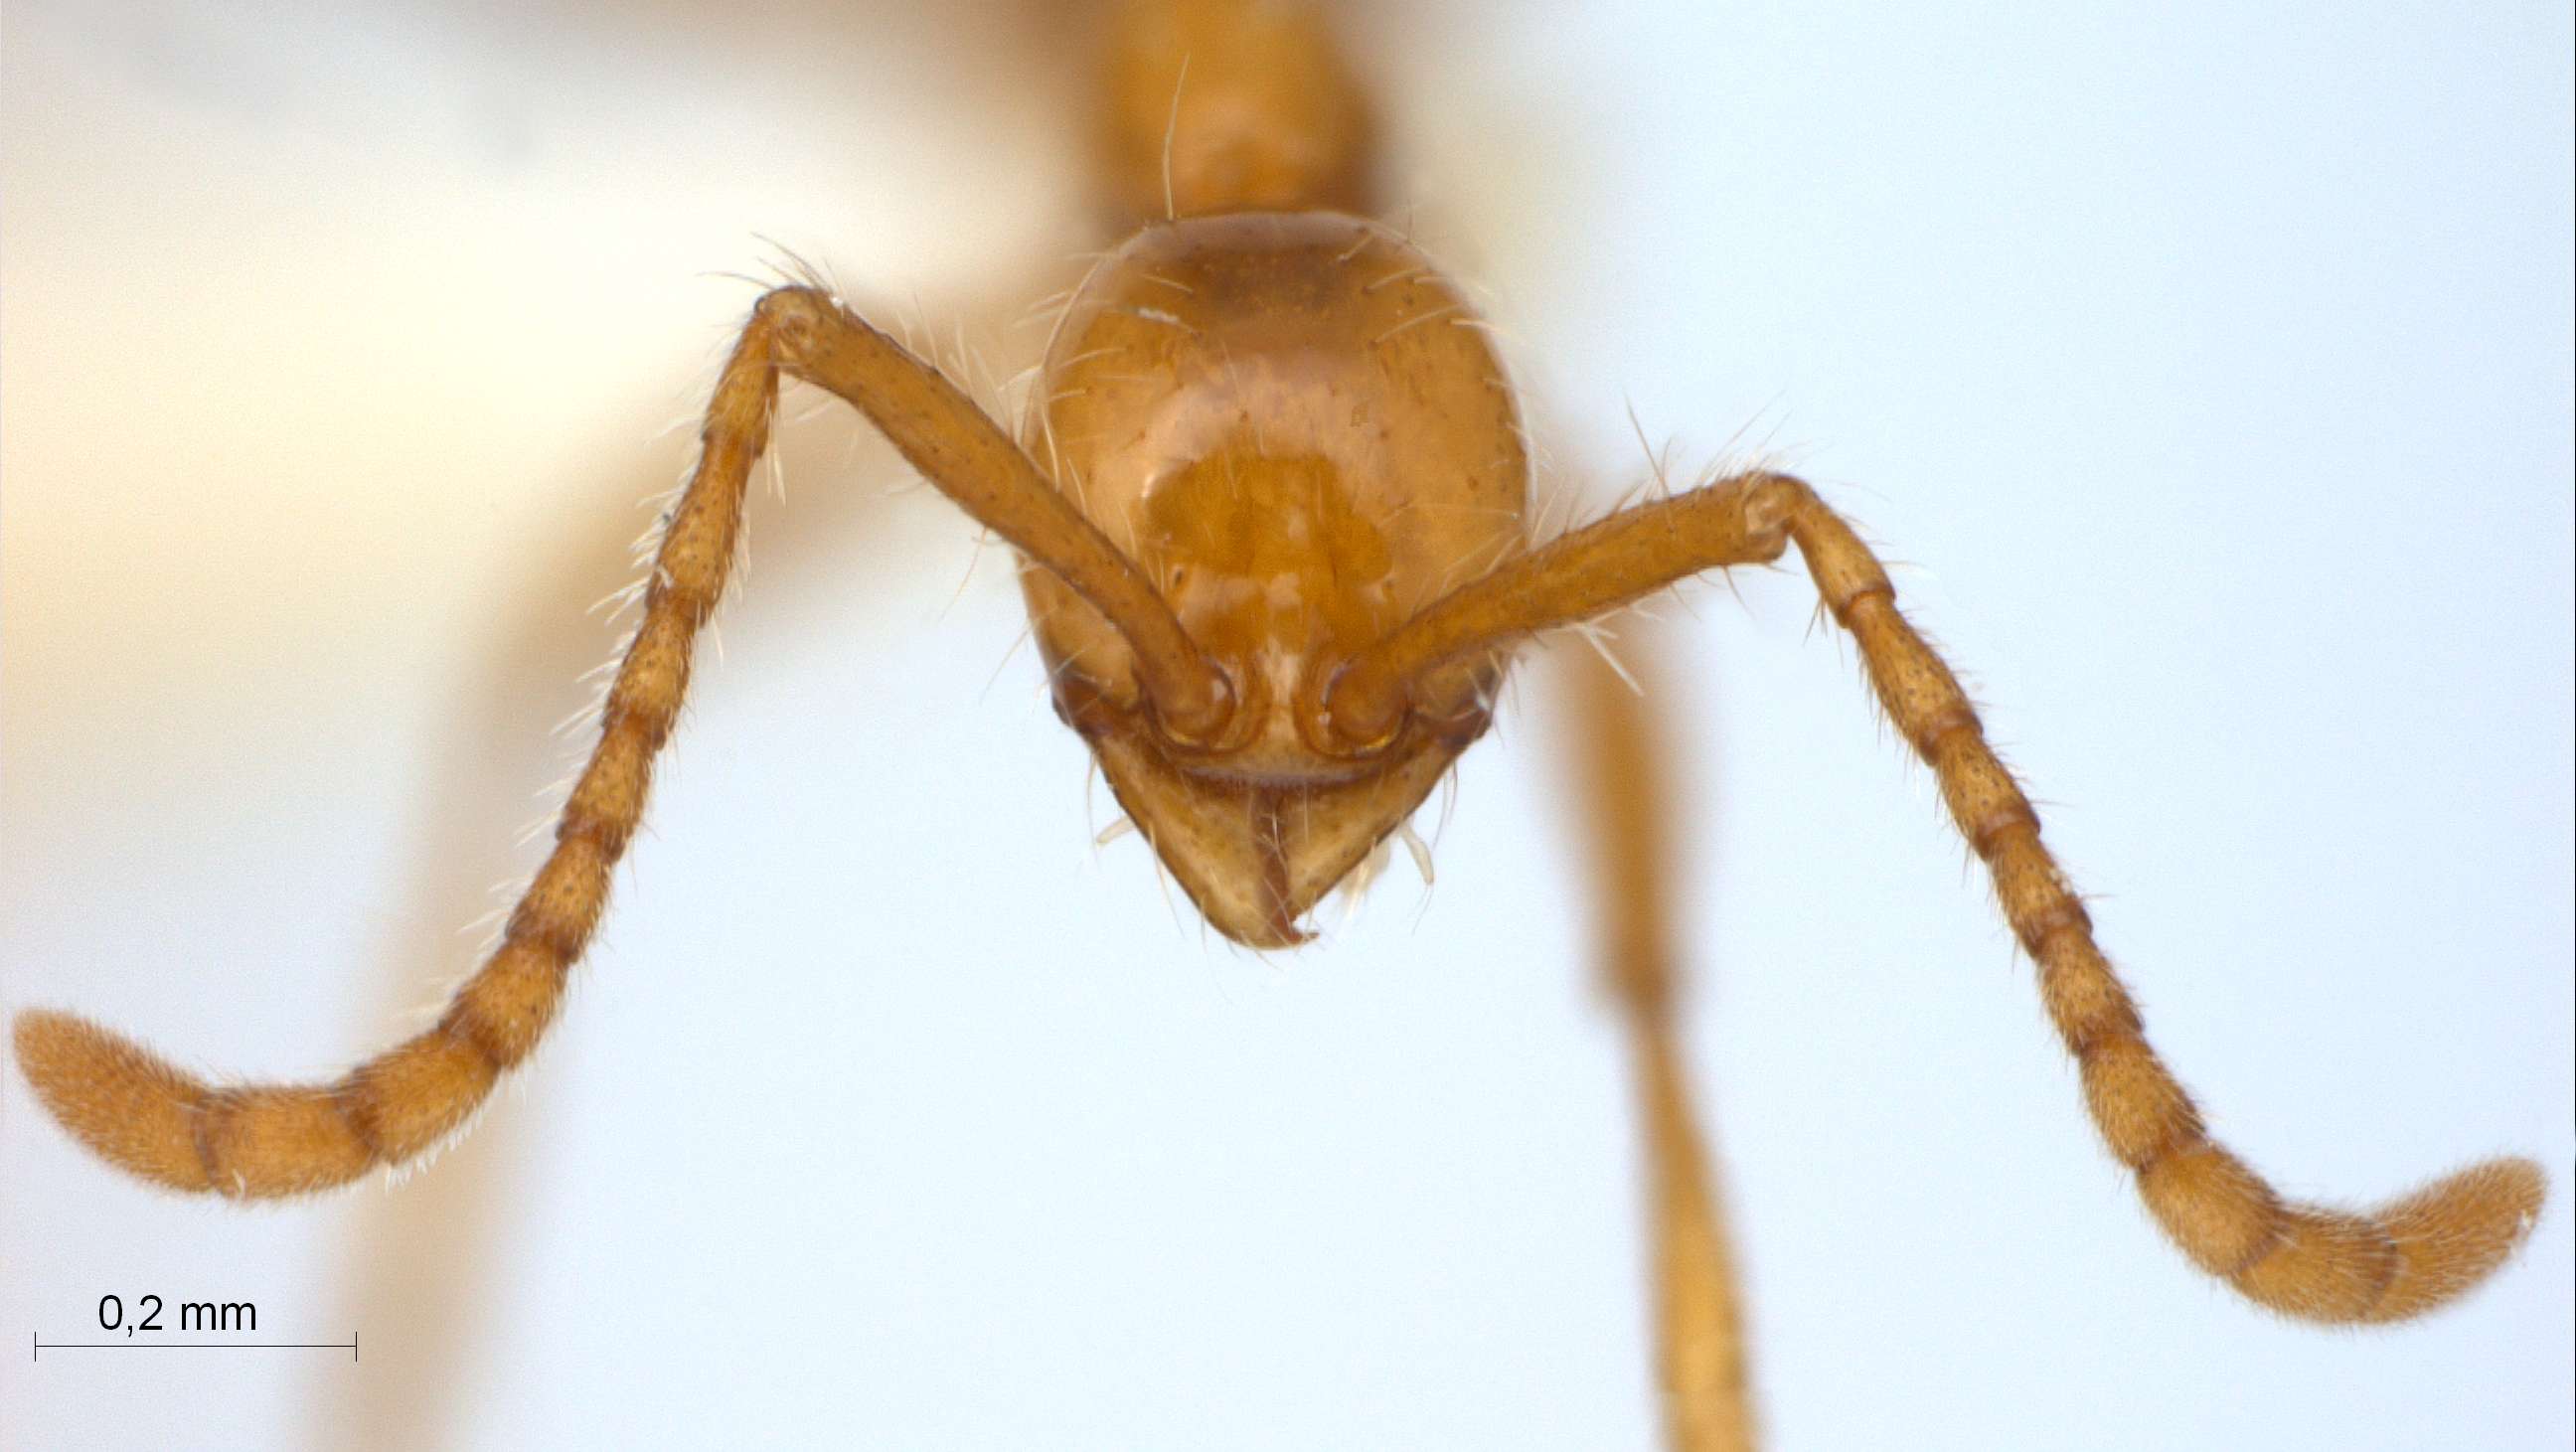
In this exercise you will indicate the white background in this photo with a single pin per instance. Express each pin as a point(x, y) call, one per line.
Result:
point(2209, 368)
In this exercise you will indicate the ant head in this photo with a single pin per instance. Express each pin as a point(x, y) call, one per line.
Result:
point(1298, 433)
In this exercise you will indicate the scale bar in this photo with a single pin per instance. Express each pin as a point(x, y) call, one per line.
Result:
point(39, 1346)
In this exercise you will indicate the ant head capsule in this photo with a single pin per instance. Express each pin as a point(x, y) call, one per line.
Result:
point(1299, 432)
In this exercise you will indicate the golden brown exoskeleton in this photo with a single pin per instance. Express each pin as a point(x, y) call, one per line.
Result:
point(1270, 495)
point(1293, 424)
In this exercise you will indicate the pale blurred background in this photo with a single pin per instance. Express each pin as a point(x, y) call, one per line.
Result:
point(2210, 368)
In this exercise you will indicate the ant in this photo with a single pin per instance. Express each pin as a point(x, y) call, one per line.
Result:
point(1242, 901)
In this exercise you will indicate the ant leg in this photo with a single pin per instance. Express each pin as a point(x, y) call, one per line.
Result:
point(164, 1124)
point(2319, 1264)
point(1626, 810)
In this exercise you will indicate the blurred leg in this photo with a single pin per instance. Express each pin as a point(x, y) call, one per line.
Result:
point(1625, 810)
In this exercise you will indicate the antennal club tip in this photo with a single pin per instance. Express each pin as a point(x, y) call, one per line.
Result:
point(128, 1105)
